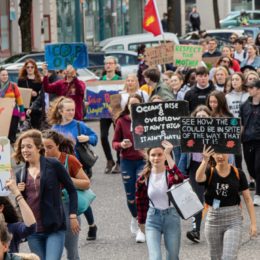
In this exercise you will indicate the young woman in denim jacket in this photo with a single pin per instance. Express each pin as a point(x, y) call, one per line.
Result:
point(153, 206)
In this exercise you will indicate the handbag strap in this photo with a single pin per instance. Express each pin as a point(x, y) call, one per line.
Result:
point(66, 163)
point(78, 126)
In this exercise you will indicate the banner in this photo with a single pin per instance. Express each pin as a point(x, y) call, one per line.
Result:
point(6, 111)
point(59, 55)
point(187, 55)
point(5, 164)
point(26, 94)
point(222, 134)
point(98, 97)
point(161, 54)
point(154, 122)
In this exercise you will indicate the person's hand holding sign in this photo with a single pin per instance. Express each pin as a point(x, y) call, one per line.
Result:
point(126, 143)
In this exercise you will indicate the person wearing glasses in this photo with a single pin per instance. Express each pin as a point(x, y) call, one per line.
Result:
point(212, 49)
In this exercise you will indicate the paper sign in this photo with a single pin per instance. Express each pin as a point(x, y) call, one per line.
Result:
point(58, 56)
point(5, 165)
point(210, 61)
point(6, 111)
point(154, 122)
point(222, 134)
point(26, 94)
point(161, 54)
point(98, 97)
point(187, 55)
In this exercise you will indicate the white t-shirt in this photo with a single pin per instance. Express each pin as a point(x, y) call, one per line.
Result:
point(157, 191)
point(125, 96)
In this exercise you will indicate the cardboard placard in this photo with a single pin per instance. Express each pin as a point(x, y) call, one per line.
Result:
point(187, 55)
point(98, 97)
point(154, 122)
point(222, 134)
point(5, 164)
point(59, 55)
point(210, 61)
point(161, 54)
point(26, 94)
point(6, 111)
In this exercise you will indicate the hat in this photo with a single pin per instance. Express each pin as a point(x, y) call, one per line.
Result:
point(249, 67)
point(255, 84)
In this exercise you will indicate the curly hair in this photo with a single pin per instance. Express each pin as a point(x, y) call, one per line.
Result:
point(23, 71)
point(37, 139)
point(9, 212)
point(54, 116)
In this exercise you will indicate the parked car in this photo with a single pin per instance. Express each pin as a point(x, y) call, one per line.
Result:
point(132, 42)
point(233, 19)
point(249, 30)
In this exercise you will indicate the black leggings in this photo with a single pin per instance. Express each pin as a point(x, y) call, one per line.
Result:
point(13, 129)
point(252, 159)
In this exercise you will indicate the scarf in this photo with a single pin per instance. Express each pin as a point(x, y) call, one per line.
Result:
point(3, 88)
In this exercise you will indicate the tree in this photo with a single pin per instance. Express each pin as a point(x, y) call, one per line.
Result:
point(25, 24)
point(216, 13)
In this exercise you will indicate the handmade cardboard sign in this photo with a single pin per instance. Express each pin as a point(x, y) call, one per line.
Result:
point(154, 122)
point(222, 134)
point(5, 164)
point(26, 94)
point(59, 55)
point(161, 54)
point(187, 55)
point(6, 111)
point(98, 97)
point(210, 61)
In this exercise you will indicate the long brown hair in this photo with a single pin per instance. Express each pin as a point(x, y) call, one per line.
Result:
point(23, 71)
point(9, 212)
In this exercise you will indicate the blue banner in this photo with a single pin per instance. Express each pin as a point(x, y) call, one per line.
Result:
point(59, 55)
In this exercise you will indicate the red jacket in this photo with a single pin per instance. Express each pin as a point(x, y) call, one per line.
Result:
point(63, 88)
point(141, 195)
point(122, 131)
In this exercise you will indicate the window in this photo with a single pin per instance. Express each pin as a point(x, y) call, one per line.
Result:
point(256, 16)
point(118, 47)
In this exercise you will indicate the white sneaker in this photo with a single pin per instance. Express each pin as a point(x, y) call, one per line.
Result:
point(134, 226)
point(257, 200)
point(140, 237)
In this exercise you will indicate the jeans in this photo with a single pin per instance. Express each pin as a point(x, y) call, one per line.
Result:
point(130, 170)
point(166, 222)
point(71, 240)
point(177, 154)
point(89, 216)
point(48, 246)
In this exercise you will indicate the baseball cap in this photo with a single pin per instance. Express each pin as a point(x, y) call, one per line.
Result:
point(255, 84)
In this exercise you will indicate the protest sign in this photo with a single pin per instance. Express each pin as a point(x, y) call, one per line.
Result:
point(98, 97)
point(26, 94)
point(222, 134)
point(187, 55)
point(5, 164)
point(154, 122)
point(59, 55)
point(6, 111)
point(210, 61)
point(162, 54)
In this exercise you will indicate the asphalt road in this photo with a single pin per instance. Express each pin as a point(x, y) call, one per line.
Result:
point(114, 239)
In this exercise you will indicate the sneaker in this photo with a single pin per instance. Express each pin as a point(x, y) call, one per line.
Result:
point(92, 233)
point(251, 185)
point(109, 167)
point(194, 236)
point(257, 200)
point(140, 236)
point(134, 226)
point(116, 169)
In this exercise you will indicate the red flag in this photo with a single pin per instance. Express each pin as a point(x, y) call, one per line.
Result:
point(151, 22)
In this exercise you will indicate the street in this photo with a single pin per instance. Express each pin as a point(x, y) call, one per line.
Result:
point(114, 240)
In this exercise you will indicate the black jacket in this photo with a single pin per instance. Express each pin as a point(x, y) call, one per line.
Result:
point(197, 96)
point(53, 174)
point(250, 120)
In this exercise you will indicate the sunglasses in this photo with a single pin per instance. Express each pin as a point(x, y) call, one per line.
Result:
point(30, 67)
point(225, 61)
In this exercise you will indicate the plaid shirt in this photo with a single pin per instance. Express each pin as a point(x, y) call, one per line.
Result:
point(141, 195)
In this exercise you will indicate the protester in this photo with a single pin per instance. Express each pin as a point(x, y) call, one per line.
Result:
point(9, 89)
point(212, 49)
point(58, 146)
point(223, 184)
point(19, 229)
point(30, 77)
point(61, 117)
point(164, 22)
point(252, 59)
point(250, 119)
point(240, 53)
point(166, 77)
point(225, 62)
point(257, 41)
point(198, 93)
point(176, 86)
point(70, 86)
point(220, 78)
point(105, 123)
point(194, 18)
point(250, 77)
point(45, 175)
point(233, 37)
point(153, 206)
point(226, 52)
point(132, 161)
point(142, 66)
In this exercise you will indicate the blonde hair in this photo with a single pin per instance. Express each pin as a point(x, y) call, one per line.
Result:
point(132, 75)
point(251, 72)
point(54, 116)
point(220, 68)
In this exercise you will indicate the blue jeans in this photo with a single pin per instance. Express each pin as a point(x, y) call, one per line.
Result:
point(48, 246)
point(130, 170)
point(166, 222)
point(71, 240)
